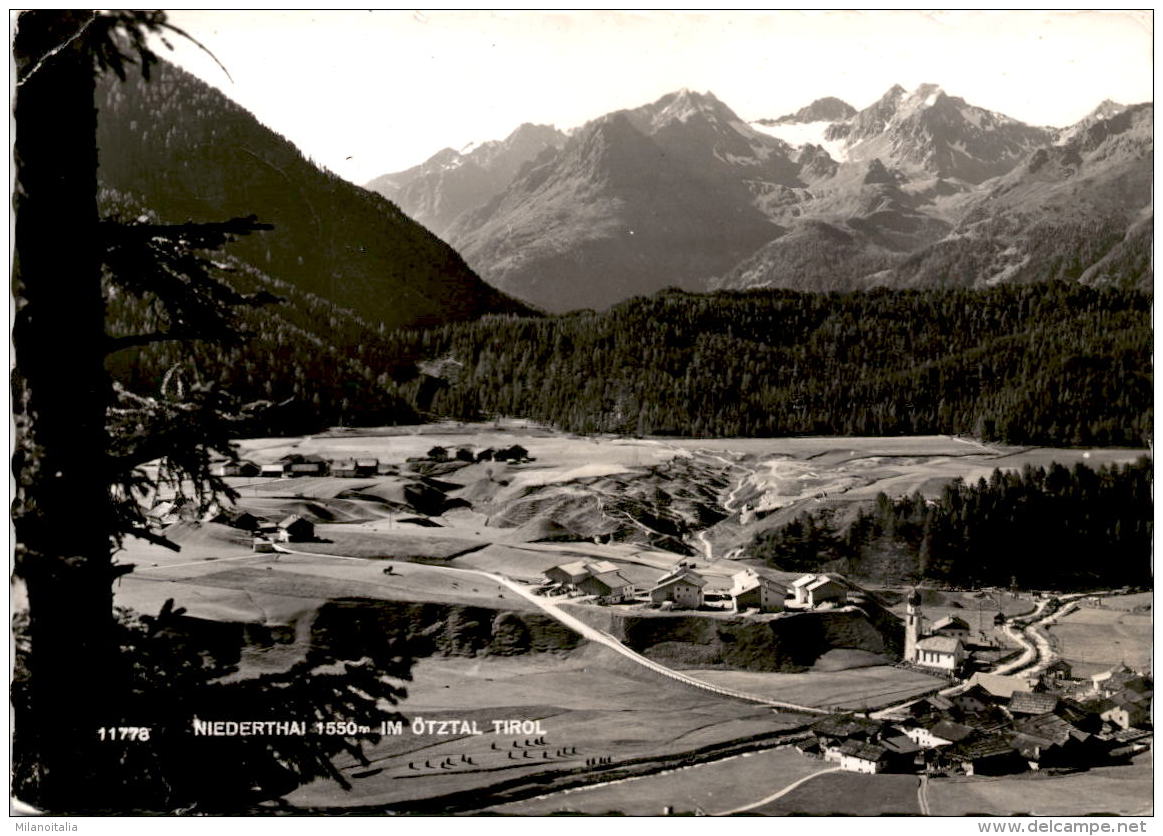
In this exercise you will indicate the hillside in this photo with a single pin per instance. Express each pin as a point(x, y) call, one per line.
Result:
point(436, 192)
point(189, 153)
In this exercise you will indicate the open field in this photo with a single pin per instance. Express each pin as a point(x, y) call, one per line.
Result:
point(711, 788)
point(1121, 790)
point(1094, 639)
point(853, 689)
point(591, 701)
point(849, 794)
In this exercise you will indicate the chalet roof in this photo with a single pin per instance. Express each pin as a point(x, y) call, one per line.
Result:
point(804, 581)
point(939, 702)
point(1048, 727)
point(685, 577)
point(279, 466)
point(981, 746)
point(948, 730)
point(940, 644)
point(367, 462)
point(822, 580)
point(863, 751)
point(751, 582)
point(900, 744)
point(844, 725)
point(953, 622)
point(999, 685)
point(601, 567)
point(292, 519)
point(576, 569)
point(1023, 702)
point(611, 580)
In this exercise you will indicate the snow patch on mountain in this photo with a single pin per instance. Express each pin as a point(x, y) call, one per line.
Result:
point(805, 133)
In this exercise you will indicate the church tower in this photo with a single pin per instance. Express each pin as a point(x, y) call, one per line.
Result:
point(912, 625)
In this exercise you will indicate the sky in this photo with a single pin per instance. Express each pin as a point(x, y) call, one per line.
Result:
point(366, 93)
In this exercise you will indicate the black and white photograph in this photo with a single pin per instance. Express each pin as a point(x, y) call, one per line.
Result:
point(581, 413)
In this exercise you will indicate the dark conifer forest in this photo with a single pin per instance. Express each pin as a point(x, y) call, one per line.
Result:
point(1050, 364)
point(1057, 527)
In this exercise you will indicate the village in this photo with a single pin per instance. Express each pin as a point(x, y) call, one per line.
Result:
point(974, 707)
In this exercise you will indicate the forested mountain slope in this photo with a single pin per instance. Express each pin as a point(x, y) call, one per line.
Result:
point(189, 153)
point(1053, 363)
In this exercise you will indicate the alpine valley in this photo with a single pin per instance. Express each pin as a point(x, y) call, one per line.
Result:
point(919, 189)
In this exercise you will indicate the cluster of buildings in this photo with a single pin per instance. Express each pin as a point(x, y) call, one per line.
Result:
point(600, 578)
point(516, 453)
point(996, 726)
point(684, 587)
point(303, 464)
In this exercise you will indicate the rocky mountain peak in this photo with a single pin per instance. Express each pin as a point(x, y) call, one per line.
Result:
point(827, 109)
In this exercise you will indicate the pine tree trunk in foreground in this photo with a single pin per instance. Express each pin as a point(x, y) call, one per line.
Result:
point(62, 510)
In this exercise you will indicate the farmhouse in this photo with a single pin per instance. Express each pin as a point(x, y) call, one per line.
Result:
point(939, 732)
point(567, 574)
point(813, 590)
point(295, 529)
point(683, 587)
point(1023, 702)
point(606, 585)
point(858, 756)
point(1124, 712)
point(990, 754)
point(754, 591)
point(833, 731)
point(238, 468)
point(516, 453)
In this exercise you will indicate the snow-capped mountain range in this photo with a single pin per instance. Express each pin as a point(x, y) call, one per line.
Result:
point(918, 188)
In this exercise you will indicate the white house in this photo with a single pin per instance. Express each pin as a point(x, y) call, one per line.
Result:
point(750, 590)
point(812, 590)
point(858, 756)
point(684, 587)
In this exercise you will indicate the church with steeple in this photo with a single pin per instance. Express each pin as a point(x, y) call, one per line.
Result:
point(943, 648)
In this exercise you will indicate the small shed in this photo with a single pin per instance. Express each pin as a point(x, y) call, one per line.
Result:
point(308, 468)
point(263, 546)
point(366, 467)
point(344, 468)
point(275, 470)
